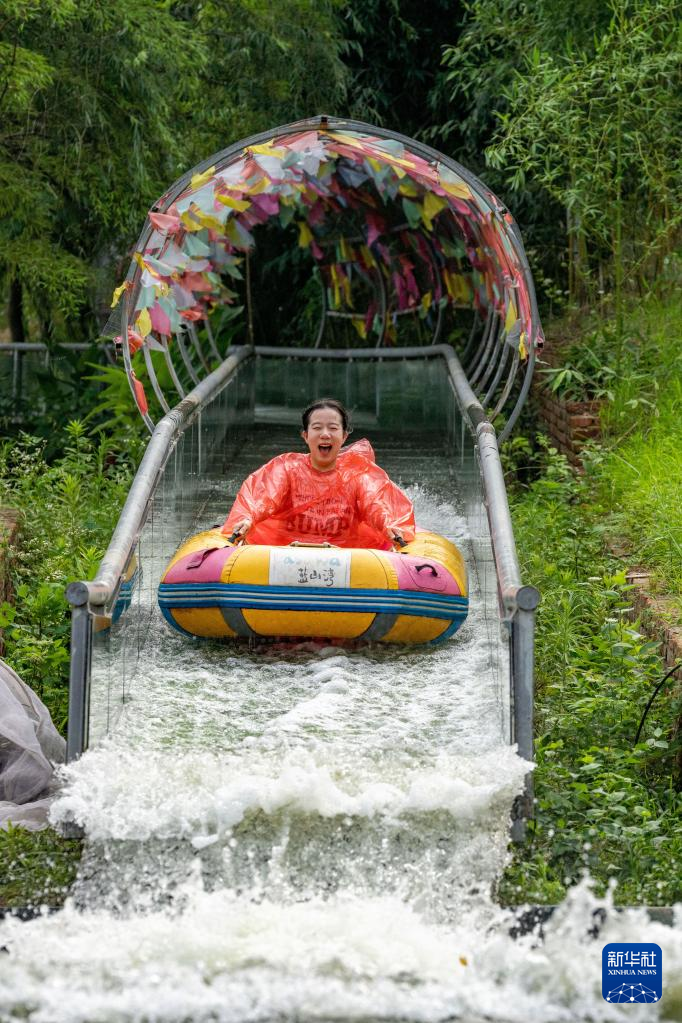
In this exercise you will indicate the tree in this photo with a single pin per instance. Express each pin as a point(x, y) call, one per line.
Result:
point(595, 122)
point(269, 64)
point(102, 106)
point(393, 52)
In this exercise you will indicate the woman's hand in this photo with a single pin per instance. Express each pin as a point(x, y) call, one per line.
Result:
point(395, 536)
point(241, 528)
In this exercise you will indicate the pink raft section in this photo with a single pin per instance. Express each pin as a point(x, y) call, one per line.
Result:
point(200, 566)
point(423, 575)
point(416, 574)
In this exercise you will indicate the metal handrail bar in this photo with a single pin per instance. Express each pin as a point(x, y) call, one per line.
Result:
point(84, 596)
point(40, 346)
point(409, 352)
point(519, 602)
point(103, 587)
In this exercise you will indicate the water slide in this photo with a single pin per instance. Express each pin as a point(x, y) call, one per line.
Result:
point(303, 830)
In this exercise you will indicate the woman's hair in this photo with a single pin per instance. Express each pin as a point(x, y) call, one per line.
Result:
point(326, 403)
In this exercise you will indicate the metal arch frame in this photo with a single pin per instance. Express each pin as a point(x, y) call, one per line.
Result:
point(186, 357)
point(485, 349)
point(211, 340)
point(471, 340)
point(378, 283)
point(322, 122)
point(383, 295)
point(196, 344)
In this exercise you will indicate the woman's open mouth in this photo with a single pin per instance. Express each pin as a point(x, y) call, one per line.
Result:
point(324, 449)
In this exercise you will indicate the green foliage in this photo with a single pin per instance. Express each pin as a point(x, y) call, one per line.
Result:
point(393, 52)
point(69, 509)
point(641, 484)
point(479, 71)
point(628, 373)
point(102, 106)
point(597, 127)
point(114, 410)
point(89, 136)
point(269, 64)
point(36, 868)
point(576, 108)
point(604, 804)
point(60, 384)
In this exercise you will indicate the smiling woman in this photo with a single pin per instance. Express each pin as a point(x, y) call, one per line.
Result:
point(331, 495)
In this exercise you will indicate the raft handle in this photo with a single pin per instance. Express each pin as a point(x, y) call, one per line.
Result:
point(434, 571)
point(301, 543)
point(198, 559)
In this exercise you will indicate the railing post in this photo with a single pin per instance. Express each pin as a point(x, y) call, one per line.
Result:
point(523, 648)
point(79, 678)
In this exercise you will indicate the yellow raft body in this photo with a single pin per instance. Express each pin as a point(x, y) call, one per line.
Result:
point(215, 589)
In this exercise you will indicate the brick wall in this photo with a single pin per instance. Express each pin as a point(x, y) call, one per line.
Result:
point(568, 423)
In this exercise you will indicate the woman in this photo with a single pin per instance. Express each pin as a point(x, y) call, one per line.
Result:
point(330, 495)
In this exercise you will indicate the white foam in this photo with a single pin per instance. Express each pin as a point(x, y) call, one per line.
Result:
point(111, 797)
point(229, 959)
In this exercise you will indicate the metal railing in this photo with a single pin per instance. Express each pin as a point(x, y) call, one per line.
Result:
point(21, 363)
point(476, 447)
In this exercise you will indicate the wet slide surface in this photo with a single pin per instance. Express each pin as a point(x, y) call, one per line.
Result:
point(306, 832)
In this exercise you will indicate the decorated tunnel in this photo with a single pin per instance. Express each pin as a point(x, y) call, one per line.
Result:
point(354, 236)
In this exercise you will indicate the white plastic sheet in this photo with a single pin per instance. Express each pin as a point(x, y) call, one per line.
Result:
point(30, 747)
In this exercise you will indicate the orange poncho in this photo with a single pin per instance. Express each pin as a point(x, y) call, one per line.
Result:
point(351, 506)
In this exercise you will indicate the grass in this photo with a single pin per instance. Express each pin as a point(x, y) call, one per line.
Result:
point(68, 509)
point(641, 484)
point(37, 868)
point(604, 803)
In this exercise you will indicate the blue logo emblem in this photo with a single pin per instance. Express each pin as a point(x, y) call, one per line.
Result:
point(632, 972)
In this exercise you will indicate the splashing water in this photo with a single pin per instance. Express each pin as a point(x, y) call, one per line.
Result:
point(310, 832)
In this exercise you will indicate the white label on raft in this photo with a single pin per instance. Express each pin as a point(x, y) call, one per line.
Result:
point(304, 566)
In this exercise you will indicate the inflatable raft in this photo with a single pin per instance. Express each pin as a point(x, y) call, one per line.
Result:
point(214, 588)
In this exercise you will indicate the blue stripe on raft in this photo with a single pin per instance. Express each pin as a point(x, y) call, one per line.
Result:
point(244, 599)
point(280, 598)
point(450, 631)
point(314, 590)
point(300, 591)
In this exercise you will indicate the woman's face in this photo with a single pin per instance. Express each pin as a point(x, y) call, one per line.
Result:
point(324, 437)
